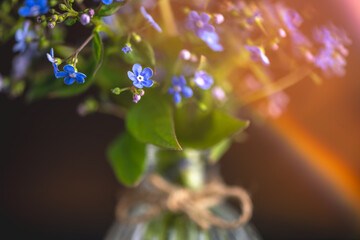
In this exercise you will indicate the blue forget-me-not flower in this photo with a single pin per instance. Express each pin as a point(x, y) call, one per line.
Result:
point(32, 8)
point(179, 88)
point(199, 23)
point(71, 75)
point(141, 78)
point(22, 36)
point(203, 29)
point(149, 18)
point(203, 80)
point(51, 58)
point(127, 48)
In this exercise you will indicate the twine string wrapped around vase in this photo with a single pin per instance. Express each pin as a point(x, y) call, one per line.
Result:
point(195, 204)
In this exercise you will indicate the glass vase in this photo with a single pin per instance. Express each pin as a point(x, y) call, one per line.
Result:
point(188, 169)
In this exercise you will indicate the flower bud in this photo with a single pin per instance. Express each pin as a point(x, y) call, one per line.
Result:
point(282, 33)
point(91, 12)
point(51, 25)
point(136, 98)
point(52, 11)
point(85, 19)
point(116, 91)
point(141, 92)
point(185, 55)
point(218, 18)
point(54, 18)
point(63, 7)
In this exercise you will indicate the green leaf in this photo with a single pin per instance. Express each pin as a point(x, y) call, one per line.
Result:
point(219, 150)
point(127, 158)
point(110, 9)
point(151, 121)
point(142, 53)
point(98, 49)
point(199, 129)
point(70, 21)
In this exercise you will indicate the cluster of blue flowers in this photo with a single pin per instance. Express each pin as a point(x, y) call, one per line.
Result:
point(202, 29)
point(331, 56)
point(32, 8)
point(179, 88)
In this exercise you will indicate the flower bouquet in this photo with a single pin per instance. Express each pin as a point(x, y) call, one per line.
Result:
point(179, 73)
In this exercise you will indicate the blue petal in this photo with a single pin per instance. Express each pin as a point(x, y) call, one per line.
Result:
point(175, 81)
point(132, 76)
point(80, 74)
point(171, 91)
point(69, 69)
point(204, 17)
point(80, 79)
point(187, 92)
point(181, 81)
point(69, 80)
point(137, 69)
point(194, 16)
point(177, 97)
point(147, 73)
point(19, 35)
point(107, 2)
point(50, 58)
point(137, 84)
point(56, 69)
point(24, 11)
point(147, 83)
point(61, 74)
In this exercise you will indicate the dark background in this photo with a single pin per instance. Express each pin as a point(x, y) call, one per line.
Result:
point(56, 183)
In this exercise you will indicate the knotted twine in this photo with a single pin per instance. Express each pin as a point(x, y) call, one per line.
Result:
point(195, 204)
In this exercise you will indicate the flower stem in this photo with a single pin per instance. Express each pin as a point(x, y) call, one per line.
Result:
point(277, 86)
point(168, 17)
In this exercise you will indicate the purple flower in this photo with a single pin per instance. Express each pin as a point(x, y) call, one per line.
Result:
point(126, 48)
point(203, 80)
point(179, 88)
point(257, 54)
point(199, 23)
point(212, 40)
point(331, 56)
point(71, 75)
point(330, 62)
point(22, 36)
point(51, 58)
point(331, 37)
point(141, 78)
point(108, 2)
point(33, 8)
point(149, 18)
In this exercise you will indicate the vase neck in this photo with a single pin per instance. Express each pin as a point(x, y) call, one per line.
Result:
point(186, 168)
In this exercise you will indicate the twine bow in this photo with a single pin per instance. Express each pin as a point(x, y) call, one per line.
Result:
point(195, 204)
